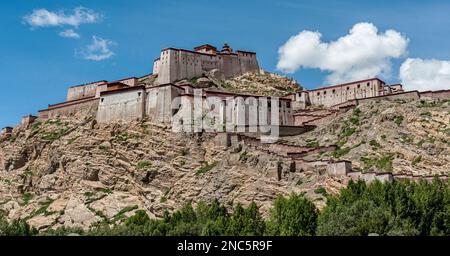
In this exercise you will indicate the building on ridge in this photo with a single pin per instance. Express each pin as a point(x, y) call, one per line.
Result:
point(178, 64)
point(329, 96)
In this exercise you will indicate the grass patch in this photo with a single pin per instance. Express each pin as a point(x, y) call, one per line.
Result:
point(384, 163)
point(122, 137)
point(184, 152)
point(432, 104)
point(406, 139)
point(348, 131)
point(427, 114)
point(106, 190)
point(36, 126)
point(416, 160)
point(89, 194)
point(339, 152)
point(26, 198)
point(54, 135)
point(375, 145)
point(321, 191)
point(194, 80)
point(143, 165)
point(12, 138)
point(244, 156)
point(342, 151)
point(312, 144)
point(206, 167)
point(121, 215)
point(354, 120)
point(27, 173)
point(7, 182)
point(399, 120)
point(103, 147)
point(56, 122)
point(356, 112)
point(43, 208)
point(447, 131)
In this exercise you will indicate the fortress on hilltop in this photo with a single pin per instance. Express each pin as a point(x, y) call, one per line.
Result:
point(176, 64)
point(167, 95)
point(170, 96)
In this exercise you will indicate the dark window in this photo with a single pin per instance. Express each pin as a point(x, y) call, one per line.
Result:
point(368, 84)
point(103, 99)
point(288, 104)
point(334, 90)
point(348, 88)
point(318, 93)
point(359, 86)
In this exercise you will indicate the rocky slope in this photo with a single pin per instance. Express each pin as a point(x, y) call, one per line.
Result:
point(262, 83)
point(74, 172)
point(389, 136)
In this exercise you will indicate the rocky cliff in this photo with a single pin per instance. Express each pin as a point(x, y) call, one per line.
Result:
point(262, 83)
point(74, 172)
point(388, 136)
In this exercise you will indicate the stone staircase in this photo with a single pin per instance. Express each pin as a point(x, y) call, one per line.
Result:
point(315, 117)
point(284, 149)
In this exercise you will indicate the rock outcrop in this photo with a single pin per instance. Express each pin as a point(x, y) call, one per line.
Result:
point(74, 172)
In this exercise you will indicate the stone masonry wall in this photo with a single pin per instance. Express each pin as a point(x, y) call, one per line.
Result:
point(83, 91)
point(123, 105)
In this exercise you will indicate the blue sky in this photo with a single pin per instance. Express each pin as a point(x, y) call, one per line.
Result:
point(37, 64)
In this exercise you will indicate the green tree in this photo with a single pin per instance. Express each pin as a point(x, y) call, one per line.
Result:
point(246, 222)
point(292, 216)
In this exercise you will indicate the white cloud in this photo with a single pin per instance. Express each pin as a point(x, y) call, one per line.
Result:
point(423, 75)
point(363, 53)
point(98, 50)
point(69, 33)
point(45, 18)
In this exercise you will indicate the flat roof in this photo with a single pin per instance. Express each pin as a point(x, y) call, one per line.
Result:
point(68, 103)
point(246, 52)
point(339, 85)
point(132, 88)
point(203, 46)
point(104, 81)
point(71, 101)
point(131, 77)
point(204, 53)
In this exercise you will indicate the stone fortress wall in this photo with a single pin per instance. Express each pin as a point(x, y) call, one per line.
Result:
point(177, 64)
point(165, 102)
point(329, 96)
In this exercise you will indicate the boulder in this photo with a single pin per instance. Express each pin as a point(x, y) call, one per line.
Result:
point(78, 215)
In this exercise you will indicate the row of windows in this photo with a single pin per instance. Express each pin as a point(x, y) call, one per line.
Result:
point(269, 104)
point(348, 88)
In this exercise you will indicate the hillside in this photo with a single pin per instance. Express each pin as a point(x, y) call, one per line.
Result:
point(262, 83)
point(74, 172)
point(389, 136)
